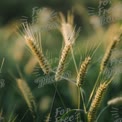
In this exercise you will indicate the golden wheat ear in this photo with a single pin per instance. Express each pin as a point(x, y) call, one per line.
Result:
point(27, 94)
point(82, 71)
point(69, 35)
point(62, 62)
point(109, 50)
point(97, 101)
point(32, 43)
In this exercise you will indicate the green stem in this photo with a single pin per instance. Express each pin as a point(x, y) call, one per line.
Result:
point(78, 101)
point(84, 106)
point(74, 60)
point(94, 88)
point(55, 85)
point(105, 108)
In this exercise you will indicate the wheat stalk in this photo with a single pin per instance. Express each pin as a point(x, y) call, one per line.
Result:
point(82, 71)
point(26, 92)
point(108, 54)
point(31, 42)
point(66, 30)
point(69, 35)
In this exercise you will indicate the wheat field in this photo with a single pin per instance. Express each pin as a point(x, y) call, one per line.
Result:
point(52, 69)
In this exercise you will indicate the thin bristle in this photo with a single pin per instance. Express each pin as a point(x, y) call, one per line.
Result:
point(26, 92)
point(68, 29)
point(70, 18)
point(62, 61)
point(39, 55)
point(82, 71)
point(96, 102)
point(108, 54)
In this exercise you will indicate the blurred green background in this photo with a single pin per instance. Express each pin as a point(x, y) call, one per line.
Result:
point(17, 60)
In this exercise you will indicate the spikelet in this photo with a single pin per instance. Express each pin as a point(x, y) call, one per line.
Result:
point(62, 61)
point(96, 102)
point(31, 42)
point(115, 101)
point(108, 54)
point(26, 92)
point(82, 71)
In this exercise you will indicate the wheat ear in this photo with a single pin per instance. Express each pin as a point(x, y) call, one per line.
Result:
point(108, 54)
point(82, 71)
point(39, 55)
point(33, 43)
point(115, 101)
point(62, 61)
point(27, 94)
point(69, 35)
point(97, 101)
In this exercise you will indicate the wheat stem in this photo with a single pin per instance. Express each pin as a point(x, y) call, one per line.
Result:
point(84, 106)
point(2, 65)
point(94, 88)
point(103, 110)
point(78, 94)
point(74, 60)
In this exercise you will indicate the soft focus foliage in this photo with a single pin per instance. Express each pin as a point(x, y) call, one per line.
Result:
point(96, 32)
